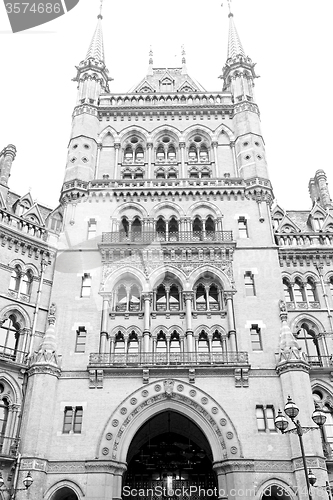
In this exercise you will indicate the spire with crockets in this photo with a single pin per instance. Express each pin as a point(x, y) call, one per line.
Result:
point(93, 63)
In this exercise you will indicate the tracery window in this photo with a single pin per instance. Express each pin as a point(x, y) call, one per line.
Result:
point(171, 155)
point(192, 153)
point(26, 283)
point(121, 304)
point(161, 298)
point(135, 299)
point(128, 155)
point(203, 343)
point(203, 154)
point(217, 342)
point(299, 294)
point(307, 340)
point(210, 228)
point(161, 229)
point(160, 153)
point(311, 291)
point(15, 279)
point(173, 229)
point(208, 297)
point(161, 343)
point(139, 154)
point(174, 343)
point(133, 343)
point(200, 298)
point(197, 229)
point(119, 345)
point(9, 336)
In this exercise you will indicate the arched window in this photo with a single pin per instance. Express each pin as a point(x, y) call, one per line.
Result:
point(210, 228)
point(138, 174)
point(174, 298)
point(217, 342)
point(173, 229)
point(128, 155)
point(200, 298)
point(15, 279)
point(133, 343)
point(299, 291)
point(136, 229)
point(205, 174)
point(9, 336)
point(288, 293)
point(174, 343)
point(311, 291)
point(161, 343)
point(192, 153)
point(171, 153)
point(124, 229)
point(26, 283)
point(308, 341)
point(213, 298)
point(197, 229)
point(3, 421)
point(203, 153)
point(203, 344)
point(160, 153)
point(139, 155)
point(194, 174)
point(160, 174)
point(161, 299)
point(172, 174)
point(161, 229)
point(119, 345)
point(134, 304)
point(121, 299)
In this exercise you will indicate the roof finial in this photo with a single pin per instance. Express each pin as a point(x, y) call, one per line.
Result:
point(229, 7)
point(151, 56)
point(184, 55)
point(100, 11)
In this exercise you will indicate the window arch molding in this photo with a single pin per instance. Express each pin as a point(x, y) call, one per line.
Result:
point(21, 316)
point(206, 271)
point(166, 131)
point(313, 331)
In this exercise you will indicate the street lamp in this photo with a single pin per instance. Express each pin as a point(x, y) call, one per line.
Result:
point(281, 423)
point(27, 482)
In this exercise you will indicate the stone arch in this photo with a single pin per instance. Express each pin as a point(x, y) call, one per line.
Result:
point(268, 485)
point(15, 391)
point(16, 310)
point(196, 274)
point(204, 204)
point(227, 130)
point(174, 395)
point(199, 129)
point(179, 212)
point(112, 276)
point(163, 270)
point(64, 484)
point(168, 330)
point(307, 318)
point(119, 211)
point(105, 131)
point(167, 129)
point(140, 131)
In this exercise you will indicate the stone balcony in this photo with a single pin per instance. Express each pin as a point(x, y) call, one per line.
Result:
point(161, 237)
point(8, 448)
point(12, 356)
point(160, 359)
point(304, 239)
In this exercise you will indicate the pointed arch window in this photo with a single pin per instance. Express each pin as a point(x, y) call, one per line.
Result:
point(9, 336)
point(128, 155)
point(124, 229)
point(173, 229)
point(4, 406)
point(119, 346)
point(287, 289)
point(161, 298)
point(15, 279)
point(121, 299)
point(174, 298)
point(203, 153)
point(203, 343)
point(171, 153)
point(200, 298)
point(194, 174)
point(172, 174)
point(161, 229)
point(133, 343)
point(308, 341)
point(217, 342)
point(205, 174)
point(138, 174)
point(213, 295)
point(192, 153)
point(161, 343)
point(311, 291)
point(299, 291)
point(210, 228)
point(26, 284)
point(135, 300)
point(136, 229)
point(160, 174)
point(197, 229)
point(139, 154)
point(160, 153)
point(174, 343)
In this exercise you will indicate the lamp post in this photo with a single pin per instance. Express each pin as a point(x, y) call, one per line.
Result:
point(281, 423)
point(27, 482)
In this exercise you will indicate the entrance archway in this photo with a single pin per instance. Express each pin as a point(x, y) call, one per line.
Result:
point(64, 493)
point(275, 492)
point(169, 452)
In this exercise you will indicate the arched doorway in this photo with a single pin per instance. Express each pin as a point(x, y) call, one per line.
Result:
point(65, 493)
point(168, 453)
point(275, 492)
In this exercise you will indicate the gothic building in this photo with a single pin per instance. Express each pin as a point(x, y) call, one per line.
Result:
point(153, 324)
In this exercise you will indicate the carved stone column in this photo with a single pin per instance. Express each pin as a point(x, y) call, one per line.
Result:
point(104, 323)
point(188, 297)
point(182, 159)
point(116, 160)
point(147, 298)
point(228, 295)
point(150, 149)
point(232, 145)
point(216, 168)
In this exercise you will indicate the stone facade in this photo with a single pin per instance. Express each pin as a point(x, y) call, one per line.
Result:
point(167, 295)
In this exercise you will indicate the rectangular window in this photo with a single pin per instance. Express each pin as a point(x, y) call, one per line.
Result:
point(92, 228)
point(86, 285)
point(265, 418)
point(256, 338)
point(68, 418)
point(261, 424)
point(250, 290)
point(81, 337)
point(77, 425)
point(242, 228)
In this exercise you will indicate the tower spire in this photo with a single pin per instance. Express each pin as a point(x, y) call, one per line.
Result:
point(184, 69)
point(151, 62)
point(96, 47)
point(235, 47)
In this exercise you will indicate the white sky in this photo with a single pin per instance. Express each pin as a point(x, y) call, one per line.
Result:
point(290, 40)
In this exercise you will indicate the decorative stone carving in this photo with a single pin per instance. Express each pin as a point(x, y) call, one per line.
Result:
point(168, 387)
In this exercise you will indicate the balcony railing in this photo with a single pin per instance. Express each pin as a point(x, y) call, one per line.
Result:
point(12, 355)
point(303, 305)
point(169, 359)
point(320, 361)
point(155, 236)
point(304, 239)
